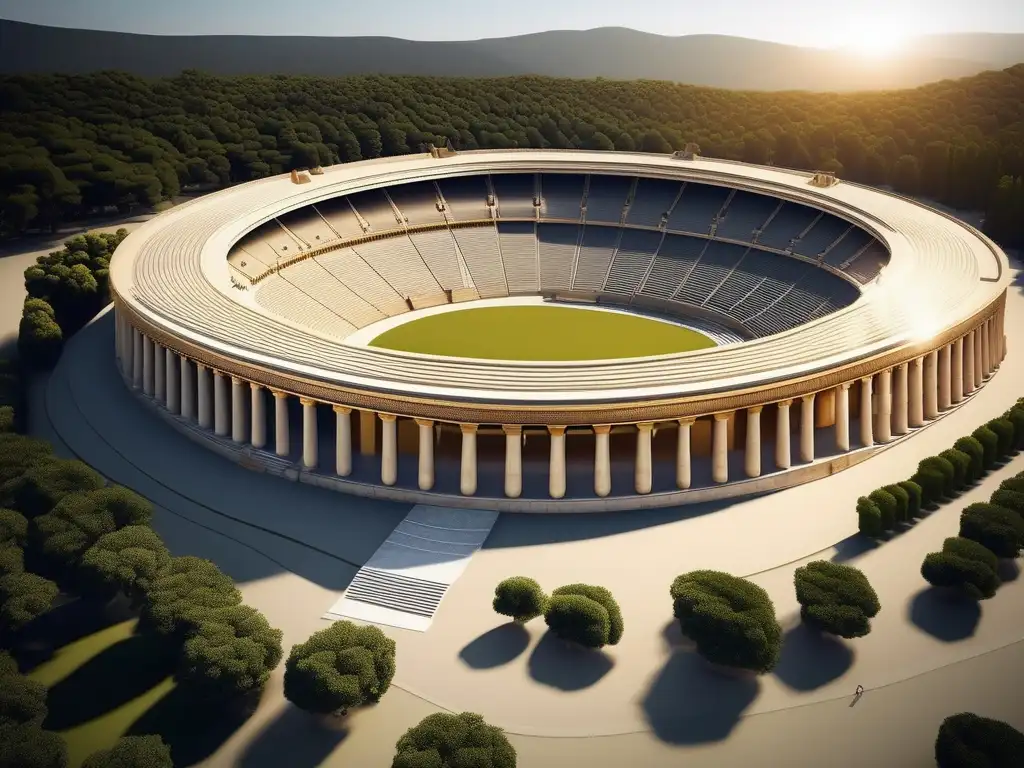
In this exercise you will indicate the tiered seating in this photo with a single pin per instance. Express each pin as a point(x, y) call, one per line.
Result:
point(513, 193)
point(313, 279)
point(338, 215)
point(746, 212)
point(519, 254)
point(277, 295)
point(479, 247)
point(653, 199)
point(270, 243)
point(437, 249)
point(825, 232)
point(696, 207)
point(866, 265)
point(561, 196)
point(778, 274)
point(795, 306)
point(676, 258)
point(606, 198)
point(852, 243)
point(743, 279)
point(397, 261)
point(417, 202)
point(596, 251)
point(711, 270)
point(557, 243)
point(375, 208)
point(307, 226)
point(634, 255)
point(466, 197)
point(255, 251)
point(349, 267)
point(787, 225)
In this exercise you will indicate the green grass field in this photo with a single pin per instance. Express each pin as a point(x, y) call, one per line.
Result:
point(540, 333)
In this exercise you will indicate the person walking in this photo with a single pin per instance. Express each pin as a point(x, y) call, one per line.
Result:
point(859, 691)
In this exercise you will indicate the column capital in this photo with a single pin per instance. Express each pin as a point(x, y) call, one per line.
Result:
point(307, 401)
point(916, 361)
point(201, 366)
point(424, 422)
point(645, 426)
point(722, 416)
point(342, 409)
point(687, 421)
point(221, 374)
point(469, 429)
point(556, 431)
point(602, 429)
point(255, 386)
point(755, 409)
point(238, 380)
point(867, 379)
point(845, 385)
point(784, 403)
point(807, 398)
point(512, 429)
point(279, 394)
point(387, 417)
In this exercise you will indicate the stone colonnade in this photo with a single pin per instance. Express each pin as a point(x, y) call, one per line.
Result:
point(891, 403)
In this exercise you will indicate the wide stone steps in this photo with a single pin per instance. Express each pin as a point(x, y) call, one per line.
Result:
point(390, 590)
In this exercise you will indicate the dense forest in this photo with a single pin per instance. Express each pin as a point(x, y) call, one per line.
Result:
point(75, 145)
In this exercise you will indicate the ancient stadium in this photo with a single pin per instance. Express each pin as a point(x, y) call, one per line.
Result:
point(549, 330)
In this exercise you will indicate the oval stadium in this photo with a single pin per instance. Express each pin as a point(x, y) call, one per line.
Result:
point(555, 330)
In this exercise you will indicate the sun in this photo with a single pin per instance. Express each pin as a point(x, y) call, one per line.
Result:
point(875, 41)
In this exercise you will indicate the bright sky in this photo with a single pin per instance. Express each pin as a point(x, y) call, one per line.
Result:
point(825, 23)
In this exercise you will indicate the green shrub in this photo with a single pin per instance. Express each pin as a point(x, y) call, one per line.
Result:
point(29, 746)
point(183, 594)
point(869, 517)
point(995, 528)
point(8, 665)
point(40, 340)
point(444, 740)
point(22, 701)
point(961, 463)
point(731, 620)
point(23, 597)
point(1012, 500)
point(1016, 417)
point(1003, 429)
point(519, 597)
point(127, 559)
point(7, 418)
point(13, 528)
point(133, 752)
point(945, 468)
point(976, 451)
point(18, 454)
point(990, 443)
point(913, 498)
point(604, 598)
point(578, 619)
point(902, 502)
point(39, 489)
point(887, 505)
point(339, 667)
point(1015, 483)
point(963, 564)
point(12, 559)
point(966, 740)
point(835, 598)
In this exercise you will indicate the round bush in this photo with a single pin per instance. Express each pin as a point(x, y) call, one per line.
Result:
point(902, 502)
point(931, 482)
point(132, 752)
point(602, 597)
point(945, 468)
point(128, 559)
point(1016, 417)
point(974, 449)
point(869, 517)
point(835, 598)
point(23, 597)
point(731, 620)
point(887, 505)
point(40, 340)
point(18, 454)
point(961, 463)
point(339, 667)
point(995, 528)
point(183, 594)
point(21, 700)
point(13, 528)
point(6, 418)
point(990, 443)
point(1015, 483)
point(444, 740)
point(913, 498)
point(578, 619)
point(38, 490)
point(1006, 441)
point(965, 565)
point(29, 746)
point(519, 597)
point(967, 740)
point(1011, 500)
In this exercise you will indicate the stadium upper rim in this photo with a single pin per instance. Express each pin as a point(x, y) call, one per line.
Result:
point(172, 274)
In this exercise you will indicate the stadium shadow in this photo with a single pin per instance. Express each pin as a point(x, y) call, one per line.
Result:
point(295, 739)
point(566, 666)
point(811, 659)
point(950, 618)
point(691, 703)
point(496, 646)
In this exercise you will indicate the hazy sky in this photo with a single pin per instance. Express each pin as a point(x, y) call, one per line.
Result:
point(800, 22)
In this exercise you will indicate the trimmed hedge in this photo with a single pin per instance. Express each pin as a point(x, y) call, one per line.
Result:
point(835, 598)
point(1003, 429)
point(914, 493)
point(967, 740)
point(998, 529)
point(887, 506)
point(869, 517)
point(990, 443)
point(40, 338)
point(585, 614)
point(39, 488)
point(23, 597)
point(1012, 500)
point(29, 746)
point(1015, 483)
point(961, 464)
point(18, 454)
point(1016, 417)
point(444, 740)
point(125, 560)
point(963, 564)
point(132, 752)
point(902, 502)
point(971, 446)
point(519, 597)
point(22, 701)
point(183, 595)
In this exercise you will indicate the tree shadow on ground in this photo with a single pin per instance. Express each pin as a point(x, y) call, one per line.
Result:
point(1008, 570)
point(295, 739)
point(691, 703)
point(193, 727)
point(852, 547)
point(496, 646)
point(567, 666)
point(947, 617)
point(811, 659)
point(113, 677)
point(70, 621)
point(674, 638)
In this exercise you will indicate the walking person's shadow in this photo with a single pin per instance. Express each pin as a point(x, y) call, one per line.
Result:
point(857, 694)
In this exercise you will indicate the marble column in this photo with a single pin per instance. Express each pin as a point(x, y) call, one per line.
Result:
point(843, 417)
point(945, 394)
point(309, 437)
point(147, 366)
point(602, 460)
point(467, 479)
point(221, 405)
point(556, 462)
point(807, 428)
point(884, 413)
point(978, 372)
point(138, 356)
point(752, 457)
point(783, 452)
point(173, 381)
point(900, 421)
point(388, 448)
point(915, 384)
point(642, 467)
point(425, 478)
point(188, 390)
point(127, 351)
point(683, 459)
point(986, 350)
point(203, 396)
point(239, 394)
point(282, 444)
point(342, 440)
point(720, 448)
point(513, 460)
point(931, 385)
point(159, 375)
point(957, 379)
point(258, 415)
point(867, 424)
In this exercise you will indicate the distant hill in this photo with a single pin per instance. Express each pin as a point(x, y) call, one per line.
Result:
point(616, 53)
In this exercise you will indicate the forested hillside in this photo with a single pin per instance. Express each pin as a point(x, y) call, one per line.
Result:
point(72, 145)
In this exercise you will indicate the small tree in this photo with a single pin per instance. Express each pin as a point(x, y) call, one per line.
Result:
point(132, 752)
point(232, 653)
point(990, 444)
point(913, 498)
point(1011, 500)
point(12, 559)
point(40, 340)
point(582, 612)
point(39, 489)
point(444, 740)
point(961, 464)
point(965, 565)
point(521, 598)
point(1006, 442)
point(184, 594)
point(967, 740)
point(869, 517)
point(13, 528)
point(731, 620)
point(995, 528)
point(887, 505)
point(23, 597)
point(22, 701)
point(29, 746)
point(340, 667)
point(127, 560)
point(18, 454)
point(835, 598)
point(973, 448)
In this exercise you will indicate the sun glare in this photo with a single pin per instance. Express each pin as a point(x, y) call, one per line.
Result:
point(876, 41)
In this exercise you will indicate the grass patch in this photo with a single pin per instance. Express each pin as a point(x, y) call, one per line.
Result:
point(542, 333)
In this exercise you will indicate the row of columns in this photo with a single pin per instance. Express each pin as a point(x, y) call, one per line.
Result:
point(892, 402)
